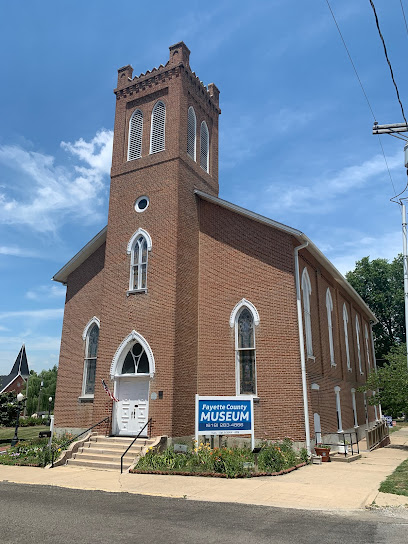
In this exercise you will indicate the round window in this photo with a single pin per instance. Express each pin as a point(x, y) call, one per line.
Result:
point(141, 203)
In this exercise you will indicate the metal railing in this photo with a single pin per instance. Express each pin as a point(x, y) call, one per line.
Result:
point(345, 443)
point(149, 422)
point(66, 444)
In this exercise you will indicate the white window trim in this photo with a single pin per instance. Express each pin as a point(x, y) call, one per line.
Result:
point(195, 133)
point(358, 345)
point(367, 347)
point(91, 322)
point(353, 402)
point(118, 358)
point(307, 291)
point(236, 312)
point(346, 337)
point(337, 390)
point(329, 308)
point(129, 251)
point(164, 128)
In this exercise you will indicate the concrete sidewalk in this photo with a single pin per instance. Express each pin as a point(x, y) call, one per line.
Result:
point(330, 486)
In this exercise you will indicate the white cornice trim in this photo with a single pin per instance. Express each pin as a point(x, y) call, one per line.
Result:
point(301, 237)
point(139, 232)
point(81, 256)
point(241, 304)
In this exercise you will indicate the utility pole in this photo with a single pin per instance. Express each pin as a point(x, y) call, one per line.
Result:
point(392, 130)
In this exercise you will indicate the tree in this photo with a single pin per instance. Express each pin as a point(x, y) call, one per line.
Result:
point(8, 409)
point(390, 382)
point(37, 396)
point(381, 285)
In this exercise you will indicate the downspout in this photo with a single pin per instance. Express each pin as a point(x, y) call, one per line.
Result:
point(375, 361)
point(302, 346)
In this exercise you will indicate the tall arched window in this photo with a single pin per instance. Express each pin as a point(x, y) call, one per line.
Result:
point(157, 134)
point(138, 247)
point(135, 135)
point(191, 133)
point(367, 348)
point(245, 352)
point(91, 337)
point(329, 308)
point(307, 290)
point(358, 345)
point(204, 147)
point(346, 337)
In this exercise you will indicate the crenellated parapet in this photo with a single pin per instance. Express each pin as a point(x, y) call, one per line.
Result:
point(177, 65)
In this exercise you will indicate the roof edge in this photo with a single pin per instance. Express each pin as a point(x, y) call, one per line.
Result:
point(96, 242)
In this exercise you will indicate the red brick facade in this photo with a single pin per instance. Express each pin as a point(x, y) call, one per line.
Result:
point(206, 256)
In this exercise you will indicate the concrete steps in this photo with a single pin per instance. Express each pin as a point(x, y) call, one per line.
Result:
point(104, 452)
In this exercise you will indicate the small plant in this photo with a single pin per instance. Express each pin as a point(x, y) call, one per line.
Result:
point(321, 446)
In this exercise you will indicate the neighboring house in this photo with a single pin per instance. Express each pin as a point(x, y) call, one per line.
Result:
point(16, 380)
point(184, 293)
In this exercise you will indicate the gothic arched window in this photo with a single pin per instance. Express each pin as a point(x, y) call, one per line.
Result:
point(346, 336)
point(136, 361)
point(307, 291)
point(358, 345)
point(157, 134)
point(204, 147)
point(329, 308)
point(135, 135)
point(191, 133)
point(245, 352)
point(138, 264)
point(91, 337)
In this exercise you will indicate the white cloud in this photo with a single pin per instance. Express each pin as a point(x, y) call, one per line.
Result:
point(46, 291)
point(16, 251)
point(56, 194)
point(321, 193)
point(34, 314)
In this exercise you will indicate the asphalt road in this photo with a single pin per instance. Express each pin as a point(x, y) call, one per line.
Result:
point(44, 514)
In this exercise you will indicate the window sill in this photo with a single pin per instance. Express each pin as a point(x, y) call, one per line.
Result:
point(333, 364)
point(311, 357)
point(134, 291)
point(86, 398)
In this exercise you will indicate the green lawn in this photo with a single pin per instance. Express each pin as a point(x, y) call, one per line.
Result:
point(398, 426)
point(26, 433)
point(397, 482)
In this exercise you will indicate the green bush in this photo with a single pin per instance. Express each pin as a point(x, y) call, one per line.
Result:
point(32, 421)
point(34, 452)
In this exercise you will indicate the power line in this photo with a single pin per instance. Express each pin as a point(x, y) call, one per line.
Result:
point(403, 13)
point(362, 88)
point(388, 60)
point(351, 60)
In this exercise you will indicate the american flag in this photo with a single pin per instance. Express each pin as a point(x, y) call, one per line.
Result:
point(108, 391)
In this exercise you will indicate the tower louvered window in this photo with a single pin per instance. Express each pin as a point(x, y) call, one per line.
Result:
point(158, 128)
point(204, 146)
point(191, 133)
point(135, 136)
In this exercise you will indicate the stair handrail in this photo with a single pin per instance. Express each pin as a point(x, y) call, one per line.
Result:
point(134, 440)
point(66, 444)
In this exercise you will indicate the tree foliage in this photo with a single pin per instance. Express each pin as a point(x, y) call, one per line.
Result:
point(381, 285)
point(37, 396)
point(391, 383)
point(8, 409)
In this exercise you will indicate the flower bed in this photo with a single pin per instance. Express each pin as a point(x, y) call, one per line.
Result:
point(32, 453)
point(272, 460)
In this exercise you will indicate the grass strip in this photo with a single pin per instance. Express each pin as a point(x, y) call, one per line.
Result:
point(25, 433)
point(397, 482)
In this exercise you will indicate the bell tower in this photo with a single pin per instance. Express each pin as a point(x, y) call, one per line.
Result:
point(165, 146)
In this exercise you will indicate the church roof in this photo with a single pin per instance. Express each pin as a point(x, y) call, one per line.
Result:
point(20, 368)
point(100, 238)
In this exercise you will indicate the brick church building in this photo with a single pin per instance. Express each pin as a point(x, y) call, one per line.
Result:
point(184, 293)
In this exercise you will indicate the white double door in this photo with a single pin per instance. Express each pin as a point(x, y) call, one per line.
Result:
point(132, 409)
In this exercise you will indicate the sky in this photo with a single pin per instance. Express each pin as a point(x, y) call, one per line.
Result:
point(296, 141)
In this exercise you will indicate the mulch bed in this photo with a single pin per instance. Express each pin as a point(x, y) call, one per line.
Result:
point(215, 474)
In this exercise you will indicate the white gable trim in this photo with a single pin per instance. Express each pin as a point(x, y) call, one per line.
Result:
point(89, 325)
point(132, 337)
point(135, 235)
point(237, 308)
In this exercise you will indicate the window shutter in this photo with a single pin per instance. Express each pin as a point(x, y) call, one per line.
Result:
point(135, 136)
point(204, 146)
point(158, 126)
point(191, 133)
